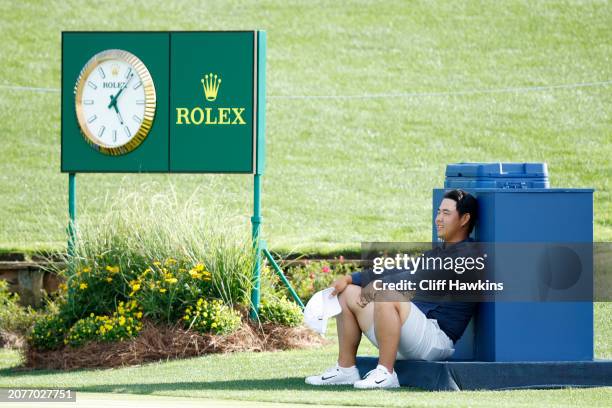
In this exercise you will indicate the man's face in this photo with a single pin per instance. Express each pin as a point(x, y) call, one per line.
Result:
point(448, 222)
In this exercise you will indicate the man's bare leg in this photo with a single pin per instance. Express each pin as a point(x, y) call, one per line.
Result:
point(350, 324)
point(388, 320)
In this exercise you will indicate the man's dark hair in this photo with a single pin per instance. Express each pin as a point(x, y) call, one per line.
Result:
point(466, 204)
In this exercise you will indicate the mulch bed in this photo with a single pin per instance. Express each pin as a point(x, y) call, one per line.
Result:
point(157, 342)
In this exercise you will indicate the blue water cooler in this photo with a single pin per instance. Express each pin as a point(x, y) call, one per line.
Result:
point(516, 205)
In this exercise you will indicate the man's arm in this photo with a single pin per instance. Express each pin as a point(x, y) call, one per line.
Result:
point(341, 283)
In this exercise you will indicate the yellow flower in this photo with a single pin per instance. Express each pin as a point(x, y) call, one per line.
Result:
point(199, 267)
point(135, 287)
point(170, 261)
point(109, 280)
point(91, 315)
point(171, 280)
point(87, 269)
point(194, 274)
point(83, 286)
point(112, 269)
point(213, 325)
point(162, 290)
point(63, 287)
point(121, 321)
point(156, 263)
point(139, 315)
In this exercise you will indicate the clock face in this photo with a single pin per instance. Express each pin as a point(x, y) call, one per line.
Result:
point(115, 102)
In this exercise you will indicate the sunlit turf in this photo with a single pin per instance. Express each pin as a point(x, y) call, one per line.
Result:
point(339, 170)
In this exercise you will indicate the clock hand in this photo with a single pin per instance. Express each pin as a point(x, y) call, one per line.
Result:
point(114, 105)
point(114, 98)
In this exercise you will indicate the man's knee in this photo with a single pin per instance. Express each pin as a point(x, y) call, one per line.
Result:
point(349, 297)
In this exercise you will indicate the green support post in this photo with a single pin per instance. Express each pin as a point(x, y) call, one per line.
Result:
point(256, 221)
point(280, 273)
point(71, 213)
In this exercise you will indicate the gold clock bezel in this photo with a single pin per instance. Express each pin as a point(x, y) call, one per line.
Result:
point(150, 101)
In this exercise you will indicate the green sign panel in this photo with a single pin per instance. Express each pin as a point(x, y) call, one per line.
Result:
point(189, 102)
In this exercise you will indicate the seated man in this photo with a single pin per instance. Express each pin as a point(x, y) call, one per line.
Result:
point(416, 330)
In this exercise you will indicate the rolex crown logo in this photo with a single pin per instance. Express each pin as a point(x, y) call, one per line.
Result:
point(211, 85)
point(115, 70)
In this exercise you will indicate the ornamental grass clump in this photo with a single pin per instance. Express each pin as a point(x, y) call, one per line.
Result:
point(159, 253)
point(164, 241)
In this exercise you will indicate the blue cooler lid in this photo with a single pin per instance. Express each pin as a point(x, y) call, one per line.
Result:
point(497, 170)
point(496, 175)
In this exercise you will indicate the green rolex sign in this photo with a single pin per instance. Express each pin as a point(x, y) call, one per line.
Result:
point(163, 102)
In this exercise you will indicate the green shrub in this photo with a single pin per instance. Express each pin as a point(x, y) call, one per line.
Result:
point(315, 276)
point(91, 288)
point(160, 251)
point(280, 311)
point(166, 287)
point(271, 285)
point(48, 332)
point(82, 331)
point(125, 323)
point(14, 318)
point(211, 317)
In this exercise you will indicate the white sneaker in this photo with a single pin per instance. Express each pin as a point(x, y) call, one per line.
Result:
point(378, 378)
point(335, 376)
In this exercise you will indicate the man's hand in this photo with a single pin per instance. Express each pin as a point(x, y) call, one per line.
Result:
point(368, 294)
point(340, 284)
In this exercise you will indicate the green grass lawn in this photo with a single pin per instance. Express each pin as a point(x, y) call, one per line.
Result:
point(279, 377)
point(352, 167)
point(340, 170)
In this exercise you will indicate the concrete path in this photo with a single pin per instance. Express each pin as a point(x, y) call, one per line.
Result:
point(106, 400)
